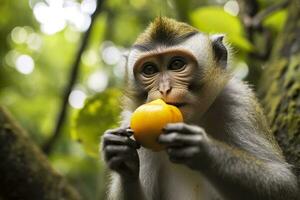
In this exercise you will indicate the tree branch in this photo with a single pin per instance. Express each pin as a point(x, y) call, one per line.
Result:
point(249, 9)
point(25, 172)
point(252, 21)
point(47, 147)
point(259, 17)
point(279, 89)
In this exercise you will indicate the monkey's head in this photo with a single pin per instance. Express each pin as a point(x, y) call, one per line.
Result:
point(177, 63)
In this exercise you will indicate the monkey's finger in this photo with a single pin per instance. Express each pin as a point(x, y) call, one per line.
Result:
point(129, 132)
point(183, 153)
point(182, 128)
point(119, 150)
point(120, 131)
point(115, 163)
point(177, 139)
point(111, 139)
point(122, 166)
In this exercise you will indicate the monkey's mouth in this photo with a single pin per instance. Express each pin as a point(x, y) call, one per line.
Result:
point(178, 105)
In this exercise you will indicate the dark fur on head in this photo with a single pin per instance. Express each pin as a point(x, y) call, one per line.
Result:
point(164, 31)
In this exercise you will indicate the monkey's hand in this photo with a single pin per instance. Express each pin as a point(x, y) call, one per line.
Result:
point(120, 154)
point(185, 143)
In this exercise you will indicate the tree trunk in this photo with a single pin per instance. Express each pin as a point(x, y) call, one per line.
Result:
point(25, 173)
point(280, 88)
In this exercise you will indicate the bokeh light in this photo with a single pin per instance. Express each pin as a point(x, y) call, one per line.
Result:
point(111, 55)
point(88, 6)
point(232, 7)
point(77, 98)
point(50, 16)
point(11, 57)
point(56, 14)
point(98, 81)
point(25, 64)
point(34, 41)
point(19, 35)
point(74, 16)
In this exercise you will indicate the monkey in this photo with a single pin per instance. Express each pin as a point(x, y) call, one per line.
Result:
point(224, 149)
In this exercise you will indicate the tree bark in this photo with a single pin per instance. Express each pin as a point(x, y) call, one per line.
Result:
point(280, 88)
point(25, 173)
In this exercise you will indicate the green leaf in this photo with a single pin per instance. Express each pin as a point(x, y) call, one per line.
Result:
point(101, 112)
point(212, 19)
point(276, 21)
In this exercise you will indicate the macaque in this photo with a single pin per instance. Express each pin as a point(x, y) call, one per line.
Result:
point(224, 149)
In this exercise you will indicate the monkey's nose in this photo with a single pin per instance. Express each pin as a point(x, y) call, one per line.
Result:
point(165, 89)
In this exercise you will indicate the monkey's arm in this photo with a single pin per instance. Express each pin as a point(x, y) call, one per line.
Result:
point(235, 172)
point(123, 189)
point(120, 155)
point(241, 175)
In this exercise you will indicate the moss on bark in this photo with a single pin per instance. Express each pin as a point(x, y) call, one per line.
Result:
point(280, 88)
point(25, 173)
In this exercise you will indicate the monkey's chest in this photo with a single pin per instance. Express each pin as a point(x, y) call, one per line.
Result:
point(163, 180)
point(180, 182)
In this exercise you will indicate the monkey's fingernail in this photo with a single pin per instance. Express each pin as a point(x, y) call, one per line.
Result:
point(129, 132)
point(165, 128)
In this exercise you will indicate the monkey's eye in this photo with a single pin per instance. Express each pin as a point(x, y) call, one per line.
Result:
point(177, 63)
point(149, 69)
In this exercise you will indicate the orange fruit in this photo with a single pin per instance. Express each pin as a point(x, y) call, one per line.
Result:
point(148, 120)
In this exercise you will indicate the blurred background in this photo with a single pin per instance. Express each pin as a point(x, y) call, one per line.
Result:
point(40, 41)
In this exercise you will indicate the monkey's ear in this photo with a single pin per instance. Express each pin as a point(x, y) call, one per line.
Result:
point(219, 50)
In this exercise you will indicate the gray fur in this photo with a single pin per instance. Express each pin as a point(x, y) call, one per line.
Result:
point(226, 120)
point(235, 158)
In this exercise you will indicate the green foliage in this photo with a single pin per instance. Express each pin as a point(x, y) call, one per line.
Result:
point(98, 33)
point(214, 19)
point(276, 20)
point(35, 98)
point(85, 172)
point(100, 113)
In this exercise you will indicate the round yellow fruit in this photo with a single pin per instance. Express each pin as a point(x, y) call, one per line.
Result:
point(148, 120)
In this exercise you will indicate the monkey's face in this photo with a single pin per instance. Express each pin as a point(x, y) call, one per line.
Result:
point(173, 62)
point(171, 75)
point(185, 77)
